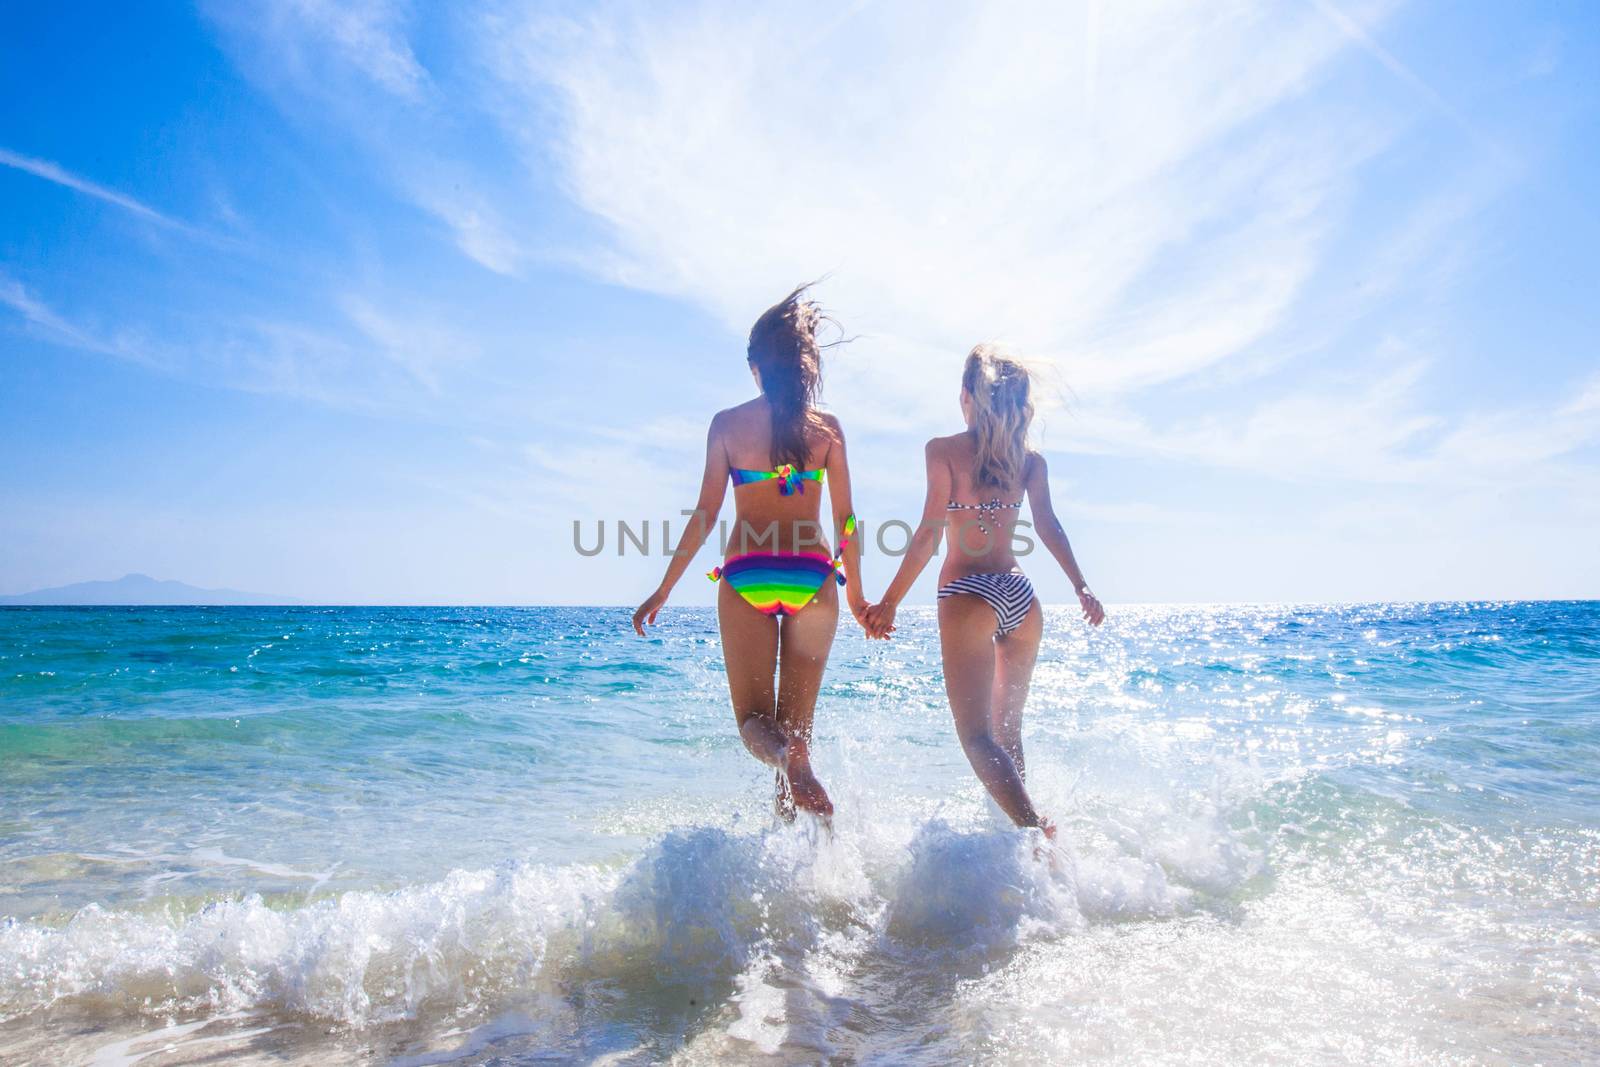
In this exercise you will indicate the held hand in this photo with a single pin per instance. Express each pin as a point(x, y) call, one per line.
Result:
point(647, 611)
point(880, 620)
point(858, 608)
point(1093, 610)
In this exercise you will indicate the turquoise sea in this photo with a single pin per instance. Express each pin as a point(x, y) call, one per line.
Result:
point(1364, 834)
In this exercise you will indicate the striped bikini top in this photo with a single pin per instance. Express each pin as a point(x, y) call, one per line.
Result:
point(788, 477)
point(988, 510)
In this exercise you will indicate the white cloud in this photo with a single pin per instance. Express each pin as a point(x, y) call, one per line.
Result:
point(376, 359)
point(1136, 194)
point(1504, 447)
point(1133, 194)
point(949, 172)
point(53, 172)
point(480, 231)
point(1351, 26)
point(1141, 196)
point(51, 325)
point(1361, 431)
point(1372, 429)
point(423, 347)
point(368, 34)
point(41, 316)
point(1587, 402)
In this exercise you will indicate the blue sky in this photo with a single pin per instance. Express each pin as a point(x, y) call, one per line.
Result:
point(367, 302)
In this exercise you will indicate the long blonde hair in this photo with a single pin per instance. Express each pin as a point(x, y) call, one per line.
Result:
point(1002, 409)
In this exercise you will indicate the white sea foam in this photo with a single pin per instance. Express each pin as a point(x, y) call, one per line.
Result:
point(703, 905)
point(976, 891)
point(1245, 874)
point(360, 957)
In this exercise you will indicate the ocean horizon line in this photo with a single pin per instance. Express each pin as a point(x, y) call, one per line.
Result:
point(309, 605)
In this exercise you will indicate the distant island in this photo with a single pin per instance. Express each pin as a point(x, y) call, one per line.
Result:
point(140, 590)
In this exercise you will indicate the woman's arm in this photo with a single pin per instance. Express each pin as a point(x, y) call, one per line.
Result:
point(838, 467)
point(1048, 527)
point(713, 489)
point(880, 616)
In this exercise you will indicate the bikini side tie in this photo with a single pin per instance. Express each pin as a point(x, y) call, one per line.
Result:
point(837, 563)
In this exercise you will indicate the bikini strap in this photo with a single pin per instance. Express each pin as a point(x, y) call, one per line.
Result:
point(846, 532)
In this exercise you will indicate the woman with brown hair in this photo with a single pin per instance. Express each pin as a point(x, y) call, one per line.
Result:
point(777, 606)
point(990, 622)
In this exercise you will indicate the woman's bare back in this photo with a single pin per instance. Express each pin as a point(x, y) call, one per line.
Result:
point(980, 528)
point(765, 519)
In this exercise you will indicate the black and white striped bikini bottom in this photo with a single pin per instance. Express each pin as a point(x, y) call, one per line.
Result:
point(1009, 594)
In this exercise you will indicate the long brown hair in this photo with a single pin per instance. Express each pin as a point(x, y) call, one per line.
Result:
point(784, 350)
point(1002, 409)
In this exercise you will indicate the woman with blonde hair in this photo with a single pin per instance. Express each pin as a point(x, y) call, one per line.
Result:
point(777, 605)
point(990, 622)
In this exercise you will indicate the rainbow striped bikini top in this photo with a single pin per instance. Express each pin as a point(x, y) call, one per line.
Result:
point(789, 479)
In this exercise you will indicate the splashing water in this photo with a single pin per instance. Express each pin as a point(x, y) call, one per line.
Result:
point(1365, 834)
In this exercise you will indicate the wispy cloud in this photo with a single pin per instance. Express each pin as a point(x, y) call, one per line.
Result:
point(1357, 429)
point(1138, 194)
point(1352, 27)
point(351, 64)
point(368, 35)
point(1234, 237)
point(1142, 196)
point(480, 231)
point(53, 172)
point(38, 315)
point(1367, 426)
point(51, 325)
point(959, 183)
point(371, 359)
point(424, 348)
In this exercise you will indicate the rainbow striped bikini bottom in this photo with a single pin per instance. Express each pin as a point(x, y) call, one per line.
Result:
point(778, 584)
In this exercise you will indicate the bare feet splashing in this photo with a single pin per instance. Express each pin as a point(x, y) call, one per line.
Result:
point(808, 794)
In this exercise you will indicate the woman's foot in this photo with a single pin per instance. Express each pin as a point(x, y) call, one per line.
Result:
point(807, 792)
point(1046, 851)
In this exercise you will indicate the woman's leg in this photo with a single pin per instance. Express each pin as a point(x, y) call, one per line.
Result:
point(1015, 654)
point(804, 642)
point(750, 654)
point(966, 637)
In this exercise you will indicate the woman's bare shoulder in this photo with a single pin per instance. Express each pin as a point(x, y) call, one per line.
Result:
point(745, 410)
point(736, 418)
point(823, 434)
